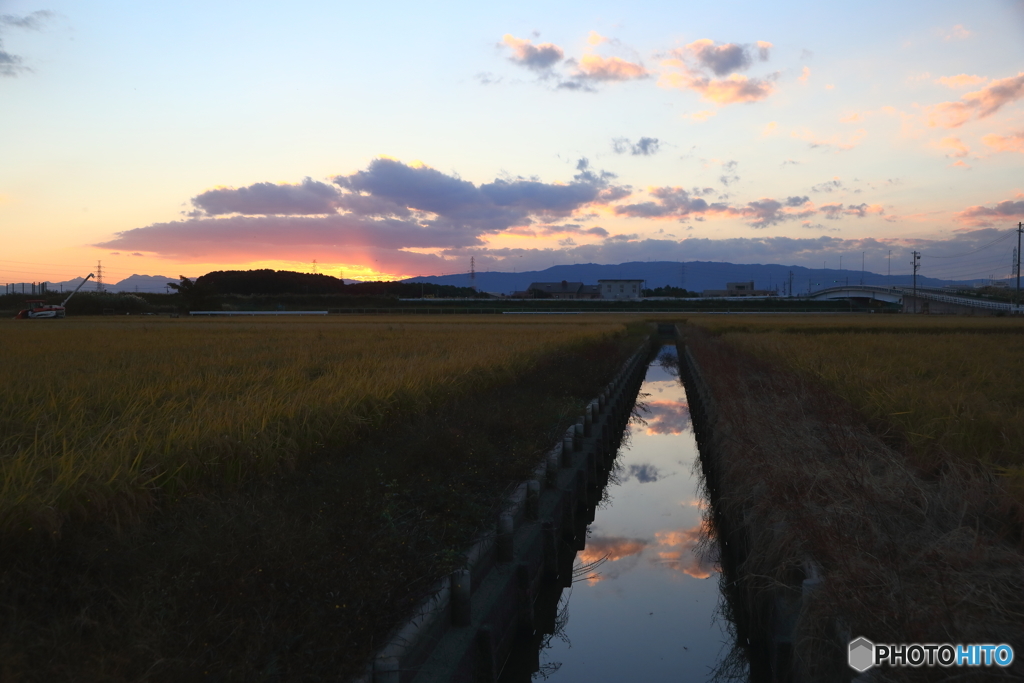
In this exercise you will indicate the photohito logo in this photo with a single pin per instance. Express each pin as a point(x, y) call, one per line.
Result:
point(863, 654)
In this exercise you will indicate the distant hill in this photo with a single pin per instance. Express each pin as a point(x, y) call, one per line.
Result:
point(273, 282)
point(267, 281)
point(153, 284)
point(691, 275)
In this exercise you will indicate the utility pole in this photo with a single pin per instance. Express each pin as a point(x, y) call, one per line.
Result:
point(1020, 229)
point(916, 263)
point(791, 284)
point(472, 272)
point(890, 263)
point(862, 267)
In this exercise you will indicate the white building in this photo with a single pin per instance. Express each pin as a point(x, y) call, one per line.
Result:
point(620, 289)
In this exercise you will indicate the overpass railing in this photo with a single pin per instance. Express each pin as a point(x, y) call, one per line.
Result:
point(922, 294)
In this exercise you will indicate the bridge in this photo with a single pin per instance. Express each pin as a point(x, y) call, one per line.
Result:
point(905, 295)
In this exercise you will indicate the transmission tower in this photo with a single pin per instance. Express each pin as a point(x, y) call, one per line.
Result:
point(472, 272)
point(99, 276)
point(916, 263)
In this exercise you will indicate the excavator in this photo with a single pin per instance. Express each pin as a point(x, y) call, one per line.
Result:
point(37, 308)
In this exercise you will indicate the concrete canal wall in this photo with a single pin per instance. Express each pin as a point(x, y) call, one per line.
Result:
point(465, 628)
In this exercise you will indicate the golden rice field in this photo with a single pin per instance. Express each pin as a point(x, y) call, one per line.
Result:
point(104, 415)
point(942, 386)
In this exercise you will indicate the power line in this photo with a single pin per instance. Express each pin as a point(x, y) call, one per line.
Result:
point(995, 241)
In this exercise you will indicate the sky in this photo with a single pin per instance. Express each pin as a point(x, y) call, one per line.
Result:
point(402, 139)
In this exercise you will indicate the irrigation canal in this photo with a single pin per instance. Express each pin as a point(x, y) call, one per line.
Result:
point(646, 600)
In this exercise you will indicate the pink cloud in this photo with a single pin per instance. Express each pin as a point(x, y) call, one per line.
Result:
point(1005, 143)
point(679, 549)
point(735, 89)
point(598, 68)
point(960, 80)
point(667, 417)
point(956, 148)
point(1007, 211)
point(978, 104)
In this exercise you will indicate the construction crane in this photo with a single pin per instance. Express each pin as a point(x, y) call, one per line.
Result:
point(37, 308)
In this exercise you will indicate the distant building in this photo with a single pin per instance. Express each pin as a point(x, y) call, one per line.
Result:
point(738, 289)
point(561, 290)
point(620, 289)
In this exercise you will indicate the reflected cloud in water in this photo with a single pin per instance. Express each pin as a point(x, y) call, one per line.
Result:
point(667, 417)
point(645, 473)
point(683, 551)
point(611, 549)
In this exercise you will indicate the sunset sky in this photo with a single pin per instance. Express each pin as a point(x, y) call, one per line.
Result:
point(400, 139)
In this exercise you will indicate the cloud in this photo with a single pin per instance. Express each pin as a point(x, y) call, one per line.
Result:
point(1006, 211)
point(837, 211)
point(307, 198)
point(770, 129)
point(1005, 143)
point(12, 65)
point(723, 60)
point(591, 67)
point(703, 115)
point(676, 203)
point(979, 104)
point(645, 474)
point(388, 206)
point(833, 185)
point(596, 38)
point(536, 57)
point(667, 417)
point(613, 548)
point(680, 549)
point(671, 202)
point(735, 89)
point(960, 81)
point(729, 175)
point(957, 149)
point(695, 66)
point(767, 212)
point(805, 75)
point(643, 147)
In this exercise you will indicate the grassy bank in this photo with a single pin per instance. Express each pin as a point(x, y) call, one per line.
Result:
point(394, 442)
point(905, 555)
point(935, 388)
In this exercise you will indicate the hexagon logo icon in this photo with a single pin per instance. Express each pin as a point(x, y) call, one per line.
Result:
point(862, 654)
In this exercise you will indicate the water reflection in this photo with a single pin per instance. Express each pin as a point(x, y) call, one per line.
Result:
point(648, 611)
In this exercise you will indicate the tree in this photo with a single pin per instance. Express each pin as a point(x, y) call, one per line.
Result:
point(196, 296)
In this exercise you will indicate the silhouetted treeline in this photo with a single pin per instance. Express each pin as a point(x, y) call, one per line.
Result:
point(266, 281)
point(669, 290)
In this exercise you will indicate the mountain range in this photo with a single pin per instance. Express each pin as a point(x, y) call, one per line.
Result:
point(692, 275)
point(695, 276)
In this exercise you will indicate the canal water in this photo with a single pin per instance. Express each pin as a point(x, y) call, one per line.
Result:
point(645, 604)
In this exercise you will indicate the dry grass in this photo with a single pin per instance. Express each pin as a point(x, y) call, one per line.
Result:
point(100, 417)
point(905, 558)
